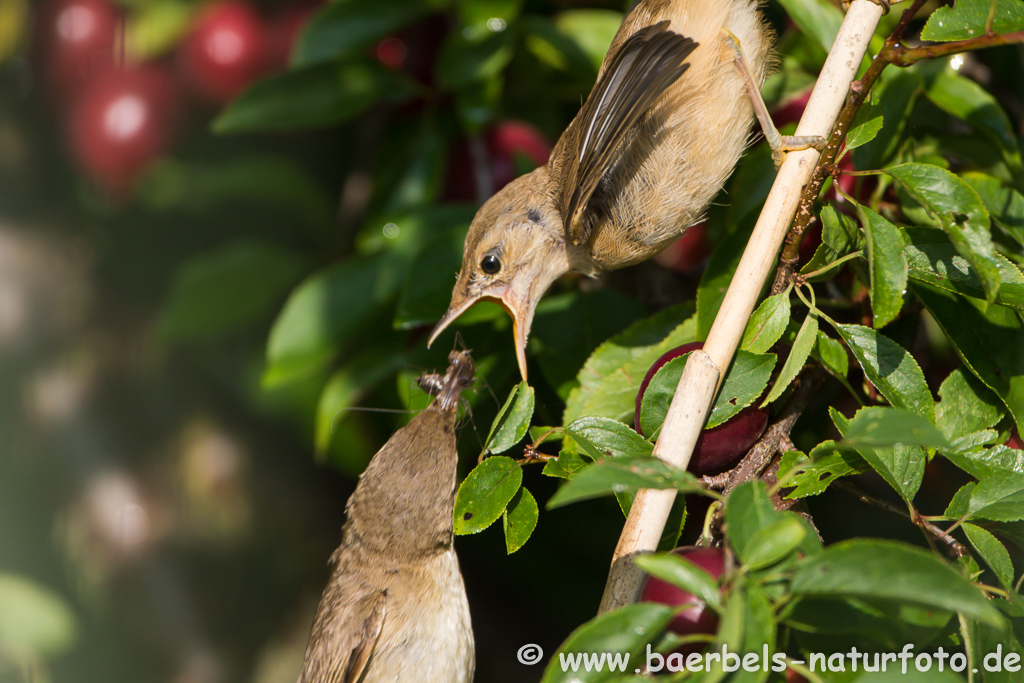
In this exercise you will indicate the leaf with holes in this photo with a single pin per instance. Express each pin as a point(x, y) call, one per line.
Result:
point(484, 494)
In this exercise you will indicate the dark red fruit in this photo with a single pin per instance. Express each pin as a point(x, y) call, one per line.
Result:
point(697, 618)
point(391, 52)
point(1015, 441)
point(793, 676)
point(720, 448)
point(78, 40)
point(513, 147)
point(226, 50)
point(688, 252)
point(122, 121)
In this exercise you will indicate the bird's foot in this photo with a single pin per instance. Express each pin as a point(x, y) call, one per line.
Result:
point(884, 4)
point(783, 144)
point(780, 144)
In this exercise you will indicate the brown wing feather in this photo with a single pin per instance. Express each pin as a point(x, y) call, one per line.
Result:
point(649, 61)
point(343, 640)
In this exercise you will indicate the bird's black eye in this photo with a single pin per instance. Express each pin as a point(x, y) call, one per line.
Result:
point(490, 264)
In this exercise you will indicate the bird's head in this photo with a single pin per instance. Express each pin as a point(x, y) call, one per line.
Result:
point(514, 250)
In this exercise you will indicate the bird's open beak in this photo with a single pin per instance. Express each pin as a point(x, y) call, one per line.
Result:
point(520, 311)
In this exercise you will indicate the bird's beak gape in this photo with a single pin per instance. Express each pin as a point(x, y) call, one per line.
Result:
point(520, 312)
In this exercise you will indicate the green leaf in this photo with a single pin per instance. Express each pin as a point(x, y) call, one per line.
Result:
point(798, 353)
point(565, 466)
point(988, 341)
point(427, 289)
point(223, 291)
point(958, 505)
point(967, 19)
point(34, 620)
point(866, 124)
point(999, 498)
point(326, 312)
point(610, 438)
point(519, 520)
point(466, 62)
point(625, 631)
point(568, 327)
point(512, 421)
point(747, 510)
point(478, 16)
point(362, 373)
point(556, 49)
point(748, 625)
point(767, 324)
point(966, 100)
point(965, 406)
point(614, 475)
point(347, 28)
point(816, 19)
point(889, 367)
point(314, 96)
point(773, 543)
point(988, 462)
point(993, 552)
point(886, 570)
point(933, 259)
point(876, 426)
point(888, 439)
point(610, 378)
point(485, 493)
point(832, 355)
point(827, 464)
point(888, 265)
point(263, 180)
point(897, 93)
point(682, 573)
point(746, 379)
point(838, 231)
point(960, 212)
point(1005, 204)
point(591, 29)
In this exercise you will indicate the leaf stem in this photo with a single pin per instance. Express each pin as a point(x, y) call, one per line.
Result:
point(913, 516)
point(830, 266)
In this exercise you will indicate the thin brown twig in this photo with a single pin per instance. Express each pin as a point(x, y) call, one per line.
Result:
point(754, 463)
point(905, 56)
point(914, 517)
point(859, 89)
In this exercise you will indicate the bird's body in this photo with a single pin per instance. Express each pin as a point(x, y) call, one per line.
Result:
point(395, 608)
point(653, 144)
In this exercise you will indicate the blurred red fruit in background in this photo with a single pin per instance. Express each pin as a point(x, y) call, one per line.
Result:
point(123, 120)
point(226, 50)
point(77, 40)
point(391, 52)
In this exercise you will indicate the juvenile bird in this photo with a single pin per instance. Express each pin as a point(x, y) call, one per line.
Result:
point(395, 607)
point(654, 142)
